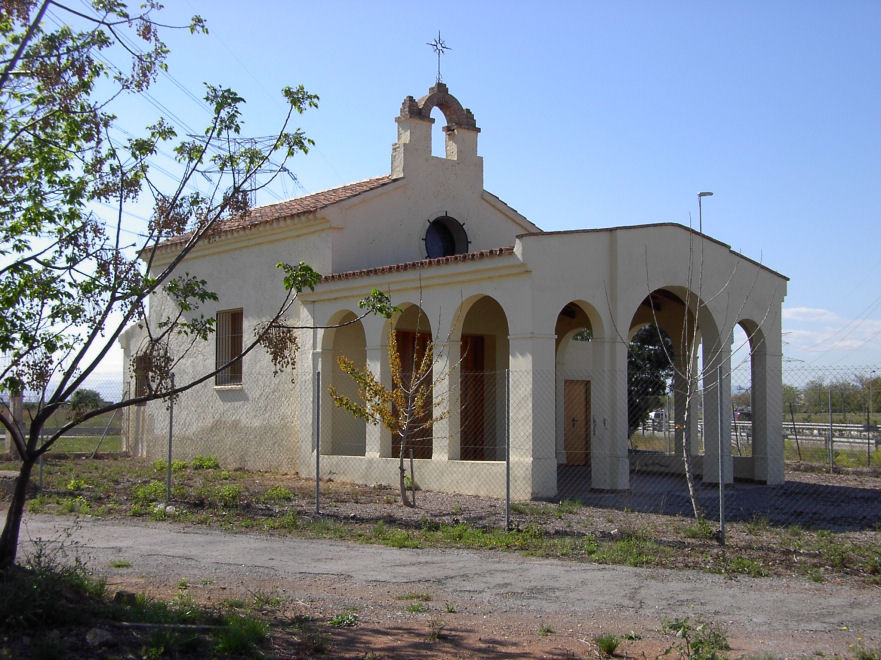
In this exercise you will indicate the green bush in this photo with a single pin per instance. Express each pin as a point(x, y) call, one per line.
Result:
point(229, 495)
point(151, 492)
point(276, 494)
point(205, 463)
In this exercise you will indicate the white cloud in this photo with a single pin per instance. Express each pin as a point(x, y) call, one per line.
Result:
point(811, 314)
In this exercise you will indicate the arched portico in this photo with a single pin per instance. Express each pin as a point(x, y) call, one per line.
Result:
point(698, 352)
point(766, 401)
point(412, 332)
point(480, 351)
point(574, 330)
point(342, 433)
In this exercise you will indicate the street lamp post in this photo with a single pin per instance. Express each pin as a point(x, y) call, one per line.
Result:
point(869, 422)
point(700, 212)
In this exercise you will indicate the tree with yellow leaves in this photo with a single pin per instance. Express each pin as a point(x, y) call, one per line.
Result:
point(408, 408)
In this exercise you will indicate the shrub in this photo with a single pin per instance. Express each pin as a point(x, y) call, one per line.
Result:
point(607, 643)
point(205, 463)
point(276, 494)
point(229, 495)
point(151, 492)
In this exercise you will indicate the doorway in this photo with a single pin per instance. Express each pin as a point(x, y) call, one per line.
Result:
point(576, 416)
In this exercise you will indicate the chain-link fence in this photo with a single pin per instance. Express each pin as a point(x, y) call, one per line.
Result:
point(602, 439)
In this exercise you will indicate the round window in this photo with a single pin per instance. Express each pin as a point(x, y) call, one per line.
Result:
point(445, 237)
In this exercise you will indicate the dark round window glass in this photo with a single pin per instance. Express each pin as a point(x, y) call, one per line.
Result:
point(445, 237)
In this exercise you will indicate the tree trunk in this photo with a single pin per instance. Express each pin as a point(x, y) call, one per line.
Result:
point(405, 498)
point(689, 475)
point(9, 539)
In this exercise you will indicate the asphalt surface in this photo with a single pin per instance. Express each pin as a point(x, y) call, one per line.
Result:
point(504, 582)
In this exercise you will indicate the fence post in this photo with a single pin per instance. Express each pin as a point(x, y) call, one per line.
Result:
point(831, 441)
point(721, 462)
point(412, 479)
point(317, 441)
point(170, 436)
point(507, 449)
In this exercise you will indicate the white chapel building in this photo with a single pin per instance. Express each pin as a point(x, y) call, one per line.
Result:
point(497, 295)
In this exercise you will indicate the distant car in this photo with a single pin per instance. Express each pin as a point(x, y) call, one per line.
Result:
point(742, 416)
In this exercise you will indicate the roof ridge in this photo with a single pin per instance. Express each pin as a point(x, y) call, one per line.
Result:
point(421, 263)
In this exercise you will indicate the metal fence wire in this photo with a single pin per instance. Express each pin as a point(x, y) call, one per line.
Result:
point(505, 439)
point(520, 436)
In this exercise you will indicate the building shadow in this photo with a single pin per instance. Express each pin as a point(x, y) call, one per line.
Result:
point(821, 506)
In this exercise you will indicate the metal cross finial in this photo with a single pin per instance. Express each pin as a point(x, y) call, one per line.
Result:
point(439, 47)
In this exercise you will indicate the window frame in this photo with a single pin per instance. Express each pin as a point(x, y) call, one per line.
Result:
point(229, 342)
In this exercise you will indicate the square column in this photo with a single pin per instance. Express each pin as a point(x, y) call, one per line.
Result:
point(767, 409)
point(447, 439)
point(610, 462)
point(532, 415)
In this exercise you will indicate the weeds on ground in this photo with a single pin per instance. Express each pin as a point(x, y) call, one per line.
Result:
point(695, 640)
point(862, 653)
point(313, 640)
point(544, 630)
point(205, 463)
point(435, 630)
point(701, 529)
point(53, 590)
point(607, 643)
point(344, 620)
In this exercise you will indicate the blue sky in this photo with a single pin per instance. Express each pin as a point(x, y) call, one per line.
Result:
point(598, 114)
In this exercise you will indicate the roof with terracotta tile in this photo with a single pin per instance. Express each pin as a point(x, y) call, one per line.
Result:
point(264, 215)
point(422, 263)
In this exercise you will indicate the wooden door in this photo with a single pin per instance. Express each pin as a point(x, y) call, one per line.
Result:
point(576, 420)
point(411, 349)
point(472, 399)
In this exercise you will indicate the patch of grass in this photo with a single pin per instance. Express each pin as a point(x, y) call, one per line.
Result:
point(757, 524)
point(267, 600)
point(241, 636)
point(415, 596)
point(631, 550)
point(416, 607)
point(121, 563)
point(344, 620)
point(85, 444)
point(701, 529)
point(861, 652)
point(544, 630)
point(607, 643)
point(744, 566)
point(449, 608)
point(566, 507)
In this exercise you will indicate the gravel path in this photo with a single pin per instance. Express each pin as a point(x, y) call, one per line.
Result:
point(496, 596)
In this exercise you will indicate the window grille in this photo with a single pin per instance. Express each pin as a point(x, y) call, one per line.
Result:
point(229, 345)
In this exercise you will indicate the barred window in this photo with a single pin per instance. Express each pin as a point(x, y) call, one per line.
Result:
point(142, 376)
point(229, 345)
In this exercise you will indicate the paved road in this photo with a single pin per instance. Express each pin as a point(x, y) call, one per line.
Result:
point(780, 608)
